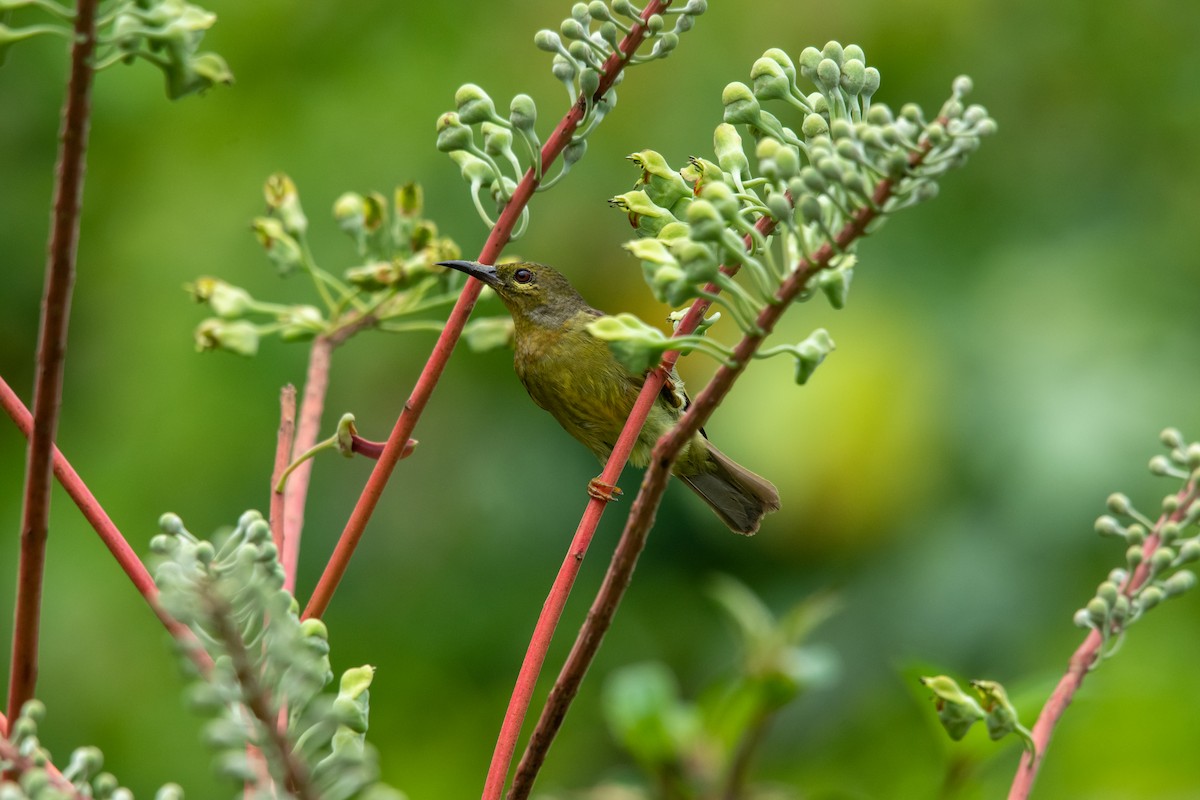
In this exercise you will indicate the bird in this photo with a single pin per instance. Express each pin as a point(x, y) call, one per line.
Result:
point(575, 376)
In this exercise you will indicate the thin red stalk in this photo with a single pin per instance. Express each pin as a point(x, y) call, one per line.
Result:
point(112, 538)
point(436, 364)
point(52, 346)
point(1083, 659)
point(654, 484)
point(283, 454)
point(308, 428)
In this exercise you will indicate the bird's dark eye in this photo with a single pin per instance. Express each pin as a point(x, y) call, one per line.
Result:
point(523, 275)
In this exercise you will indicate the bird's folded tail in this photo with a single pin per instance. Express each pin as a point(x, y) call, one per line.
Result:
point(738, 496)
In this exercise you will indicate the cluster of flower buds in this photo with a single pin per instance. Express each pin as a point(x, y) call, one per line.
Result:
point(26, 762)
point(392, 287)
point(481, 141)
point(1156, 550)
point(231, 595)
point(794, 200)
point(958, 711)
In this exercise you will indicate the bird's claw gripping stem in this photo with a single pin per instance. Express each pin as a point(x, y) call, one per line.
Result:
point(598, 489)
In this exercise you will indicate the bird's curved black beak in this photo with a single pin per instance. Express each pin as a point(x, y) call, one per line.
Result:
point(483, 272)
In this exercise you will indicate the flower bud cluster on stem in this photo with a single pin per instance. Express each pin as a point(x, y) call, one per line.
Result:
point(719, 217)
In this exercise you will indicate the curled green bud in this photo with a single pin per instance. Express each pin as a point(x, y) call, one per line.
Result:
point(522, 112)
point(727, 145)
point(237, 336)
point(1171, 437)
point(226, 300)
point(828, 75)
point(811, 352)
point(768, 79)
point(1189, 551)
point(283, 199)
point(741, 106)
point(833, 51)
point(814, 125)
point(1108, 591)
point(957, 710)
point(452, 135)
point(547, 40)
point(1119, 503)
point(282, 250)
point(474, 105)
point(1180, 582)
point(1150, 596)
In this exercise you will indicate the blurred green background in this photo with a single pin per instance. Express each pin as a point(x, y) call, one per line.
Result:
point(1009, 353)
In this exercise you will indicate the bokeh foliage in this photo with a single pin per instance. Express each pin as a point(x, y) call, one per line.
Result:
point(1019, 343)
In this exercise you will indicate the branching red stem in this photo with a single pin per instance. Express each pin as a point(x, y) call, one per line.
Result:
point(308, 428)
point(1084, 658)
point(52, 346)
point(436, 364)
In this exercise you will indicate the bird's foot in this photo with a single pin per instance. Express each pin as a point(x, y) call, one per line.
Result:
point(600, 490)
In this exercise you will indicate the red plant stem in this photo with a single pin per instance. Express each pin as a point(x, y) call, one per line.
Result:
point(308, 428)
point(654, 484)
point(283, 451)
point(52, 346)
point(112, 538)
point(436, 364)
point(1085, 657)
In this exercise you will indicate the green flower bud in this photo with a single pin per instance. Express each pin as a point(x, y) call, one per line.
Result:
point(828, 75)
point(741, 106)
point(707, 224)
point(814, 126)
point(236, 336)
point(282, 250)
point(283, 199)
point(1169, 532)
point(1107, 592)
point(655, 23)
point(810, 209)
point(565, 69)
point(651, 250)
point(1135, 534)
point(226, 300)
point(572, 29)
point(580, 13)
point(769, 81)
point(1161, 559)
point(962, 85)
point(727, 145)
point(780, 207)
point(698, 261)
point(452, 135)
point(854, 52)
point(785, 63)
point(880, 115)
point(833, 52)
point(522, 112)
point(1189, 551)
point(870, 83)
point(854, 76)
point(956, 710)
point(408, 200)
point(787, 162)
point(581, 52)
point(661, 183)
point(835, 283)
point(1171, 437)
point(497, 140)
point(1119, 503)
point(547, 40)
point(473, 104)
point(1161, 465)
point(722, 198)
point(811, 352)
point(644, 214)
point(809, 58)
point(168, 791)
point(1150, 596)
point(1179, 583)
point(1083, 619)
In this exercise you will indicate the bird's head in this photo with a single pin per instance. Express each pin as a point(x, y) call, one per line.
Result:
point(532, 292)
